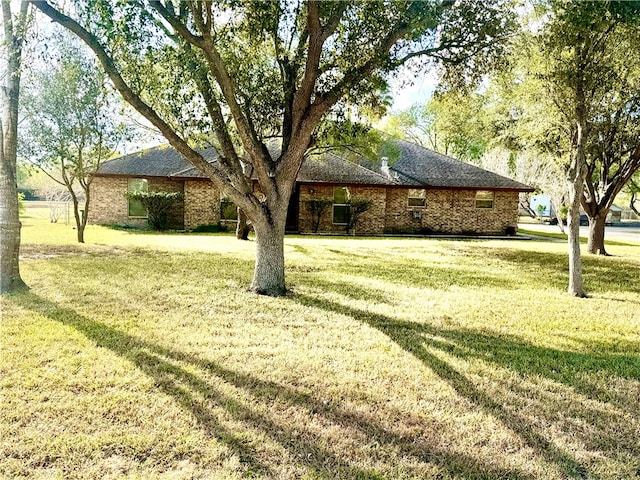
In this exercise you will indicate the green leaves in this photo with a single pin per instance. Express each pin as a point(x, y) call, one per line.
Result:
point(70, 123)
point(158, 206)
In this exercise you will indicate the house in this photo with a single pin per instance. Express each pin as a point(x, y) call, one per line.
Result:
point(421, 192)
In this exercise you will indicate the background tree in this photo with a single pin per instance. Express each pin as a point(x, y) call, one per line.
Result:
point(14, 29)
point(633, 188)
point(577, 57)
point(452, 123)
point(251, 71)
point(72, 124)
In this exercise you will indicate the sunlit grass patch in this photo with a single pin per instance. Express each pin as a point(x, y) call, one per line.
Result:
point(143, 356)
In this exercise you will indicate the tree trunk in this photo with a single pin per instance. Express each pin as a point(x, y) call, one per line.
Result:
point(596, 233)
point(268, 276)
point(76, 215)
point(556, 210)
point(242, 229)
point(10, 280)
point(632, 204)
point(576, 287)
point(575, 177)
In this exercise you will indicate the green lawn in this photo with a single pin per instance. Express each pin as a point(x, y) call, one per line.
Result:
point(141, 355)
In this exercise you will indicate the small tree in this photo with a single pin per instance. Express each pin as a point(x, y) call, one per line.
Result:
point(71, 127)
point(158, 206)
point(355, 210)
point(316, 208)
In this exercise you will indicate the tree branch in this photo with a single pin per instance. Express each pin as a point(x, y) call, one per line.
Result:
point(131, 97)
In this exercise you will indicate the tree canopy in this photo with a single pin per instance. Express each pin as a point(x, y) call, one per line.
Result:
point(71, 121)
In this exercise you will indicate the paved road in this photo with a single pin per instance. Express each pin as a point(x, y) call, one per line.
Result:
point(626, 231)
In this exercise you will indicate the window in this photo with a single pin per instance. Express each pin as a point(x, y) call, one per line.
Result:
point(136, 209)
point(341, 205)
point(417, 197)
point(484, 199)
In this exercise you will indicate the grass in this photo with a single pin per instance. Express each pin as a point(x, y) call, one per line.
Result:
point(141, 355)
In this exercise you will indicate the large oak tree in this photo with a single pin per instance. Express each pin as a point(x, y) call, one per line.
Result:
point(249, 72)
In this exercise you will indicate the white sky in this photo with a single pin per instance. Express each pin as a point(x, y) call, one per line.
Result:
point(408, 89)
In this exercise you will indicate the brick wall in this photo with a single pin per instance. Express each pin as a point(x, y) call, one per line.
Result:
point(109, 204)
point(202, 203)
point(451, 211)
point(446, 211)
point(370, 222)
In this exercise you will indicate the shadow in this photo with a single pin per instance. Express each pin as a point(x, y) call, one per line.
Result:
point(599, 273)
point(419, 340)
point(172, 374)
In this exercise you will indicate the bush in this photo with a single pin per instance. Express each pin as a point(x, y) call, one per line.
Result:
point(158, 205)
point(316, 208)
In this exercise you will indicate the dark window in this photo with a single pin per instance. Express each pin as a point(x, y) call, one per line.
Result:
point(341, 207)
point(228, 210)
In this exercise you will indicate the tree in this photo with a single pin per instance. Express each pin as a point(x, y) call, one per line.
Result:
point(633, 187)
point(252, 71)
point(613, 151)
point(71, 123)
point(452, 123)
point(585, 47)
point(14, 31)
point(569, 84)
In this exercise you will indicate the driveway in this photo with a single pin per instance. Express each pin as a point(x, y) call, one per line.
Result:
point(624, 232)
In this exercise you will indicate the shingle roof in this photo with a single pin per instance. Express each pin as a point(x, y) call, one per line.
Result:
point(330, 168)
point(160, 161)
point(416, 166)
point(419, 166)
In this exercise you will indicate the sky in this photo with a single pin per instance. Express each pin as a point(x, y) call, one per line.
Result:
point(407, 89)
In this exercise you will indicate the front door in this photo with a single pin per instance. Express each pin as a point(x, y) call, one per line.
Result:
point(294, 210)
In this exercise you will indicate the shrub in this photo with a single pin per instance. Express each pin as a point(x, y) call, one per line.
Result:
point(317, 207)
point(356, 208)
point(158, 205)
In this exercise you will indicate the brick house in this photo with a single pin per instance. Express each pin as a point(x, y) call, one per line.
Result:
point(422, 192)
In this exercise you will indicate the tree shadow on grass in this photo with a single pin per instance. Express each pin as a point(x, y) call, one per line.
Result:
point(200, 397)
point(600, 273)
point(421, 339)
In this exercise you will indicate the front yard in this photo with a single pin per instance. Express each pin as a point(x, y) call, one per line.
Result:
point(141, 355)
